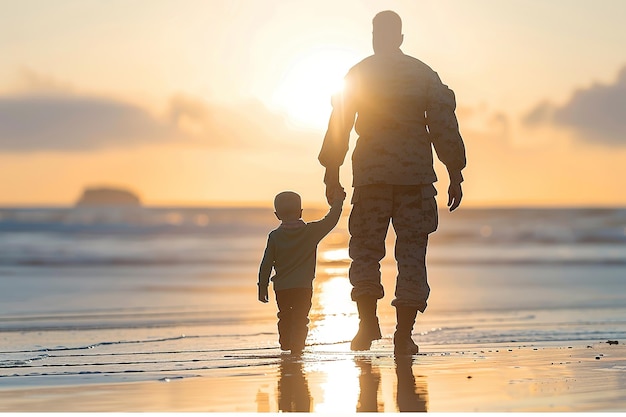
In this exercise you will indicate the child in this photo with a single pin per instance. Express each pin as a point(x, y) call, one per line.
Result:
point(291, 250)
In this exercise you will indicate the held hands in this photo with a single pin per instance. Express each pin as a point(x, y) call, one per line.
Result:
point(333, 186)
point(338, 195)
point(263, 296)
point(332, 190)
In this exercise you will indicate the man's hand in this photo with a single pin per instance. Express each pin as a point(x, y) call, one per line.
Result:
point(455, 195)
point(333, 186)
point(335, 192)
point(340, 194)
point(263, 294)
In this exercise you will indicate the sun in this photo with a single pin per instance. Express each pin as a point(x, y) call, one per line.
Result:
point(309, 81)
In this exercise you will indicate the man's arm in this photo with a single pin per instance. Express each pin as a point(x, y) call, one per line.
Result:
point(336, 140)
point(446, 138)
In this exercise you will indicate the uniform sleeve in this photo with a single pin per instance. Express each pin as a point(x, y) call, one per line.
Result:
point(267, 263)
point(340, 124)
point(444, 128)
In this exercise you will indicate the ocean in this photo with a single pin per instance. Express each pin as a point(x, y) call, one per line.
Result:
point(147, 293)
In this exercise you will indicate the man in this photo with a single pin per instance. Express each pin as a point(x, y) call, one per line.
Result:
point(402, 110)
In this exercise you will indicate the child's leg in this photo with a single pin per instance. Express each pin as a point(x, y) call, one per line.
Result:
point(285, 313)
point(301, 306)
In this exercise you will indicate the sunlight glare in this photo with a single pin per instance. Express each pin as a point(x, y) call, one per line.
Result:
point(335, 255)
point(336, 271)
point(338, 318)
point(308, 83)
point(341, 388)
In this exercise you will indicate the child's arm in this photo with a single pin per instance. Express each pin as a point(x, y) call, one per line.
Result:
point(336, 206)
point(325, 225)
point(265, 270)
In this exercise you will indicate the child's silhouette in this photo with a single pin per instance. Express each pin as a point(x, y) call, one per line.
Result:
point(291, 251)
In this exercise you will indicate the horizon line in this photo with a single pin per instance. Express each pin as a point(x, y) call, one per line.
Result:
point(320, 206)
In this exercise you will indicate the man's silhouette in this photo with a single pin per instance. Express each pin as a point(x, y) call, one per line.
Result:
point(402, 109)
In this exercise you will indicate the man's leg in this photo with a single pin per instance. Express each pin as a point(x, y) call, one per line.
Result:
point(368, 225)
point(414, 217)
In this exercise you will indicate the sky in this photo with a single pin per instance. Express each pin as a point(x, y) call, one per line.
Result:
point(190, 102)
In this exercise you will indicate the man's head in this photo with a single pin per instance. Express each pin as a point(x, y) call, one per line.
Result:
point(288, 206)
point(387, 32)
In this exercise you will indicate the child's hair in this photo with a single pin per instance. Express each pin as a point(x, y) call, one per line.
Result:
point(288, 205)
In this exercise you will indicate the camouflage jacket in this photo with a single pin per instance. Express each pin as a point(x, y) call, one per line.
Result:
point(401, 108)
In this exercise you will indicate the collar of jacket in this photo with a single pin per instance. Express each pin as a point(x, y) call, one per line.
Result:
point(293, 224)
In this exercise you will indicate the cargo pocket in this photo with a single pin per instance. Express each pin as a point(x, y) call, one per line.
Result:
point(355, 218)
point(355, 195)
point(430, 213)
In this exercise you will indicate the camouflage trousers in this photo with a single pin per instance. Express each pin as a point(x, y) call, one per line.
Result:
point(412, 210)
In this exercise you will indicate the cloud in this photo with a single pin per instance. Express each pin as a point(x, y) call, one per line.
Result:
point(67, 122)
point(61, 121)
point(482, 121)
point(30, 81)
point(44, 113)
point(247, 123)
point(594, 114)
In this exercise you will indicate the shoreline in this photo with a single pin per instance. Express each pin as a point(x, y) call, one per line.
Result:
point(555, 376)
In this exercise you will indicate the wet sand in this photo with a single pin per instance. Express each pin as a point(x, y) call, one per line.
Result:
point(580, 377)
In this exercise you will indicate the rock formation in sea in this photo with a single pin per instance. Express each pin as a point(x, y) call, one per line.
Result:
point(108, 196)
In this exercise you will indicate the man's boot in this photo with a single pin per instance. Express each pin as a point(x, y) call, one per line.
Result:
point(369, 328)
point(403, 344)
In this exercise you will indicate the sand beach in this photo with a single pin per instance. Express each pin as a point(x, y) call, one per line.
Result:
point(499, 378)
point(141, 315)
point(142, 148)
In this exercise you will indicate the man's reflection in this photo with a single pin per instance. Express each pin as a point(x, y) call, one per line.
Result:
point(369, 382)
point(293, 388)
point(410, 396)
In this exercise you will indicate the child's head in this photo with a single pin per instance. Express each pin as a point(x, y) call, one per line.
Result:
point(288, 206)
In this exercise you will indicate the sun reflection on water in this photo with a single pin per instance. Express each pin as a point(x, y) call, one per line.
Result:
point(334, 321)
point(340, 390)
point(333, 316)
point(335, 255)
point(336, 271)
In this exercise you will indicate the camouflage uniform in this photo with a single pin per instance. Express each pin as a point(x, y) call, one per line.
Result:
point(403, 111)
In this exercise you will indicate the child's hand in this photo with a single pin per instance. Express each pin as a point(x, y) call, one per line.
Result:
point(339, 195)
point(263, 294)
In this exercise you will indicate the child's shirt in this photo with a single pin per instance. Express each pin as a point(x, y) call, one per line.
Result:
point(292, 249)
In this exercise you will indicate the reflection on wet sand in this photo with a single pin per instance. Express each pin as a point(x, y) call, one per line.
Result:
point(316, 384)
point(294, 393)
point(293, 388)
point(262, 402)
point(369, 383)
point(411, 395)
